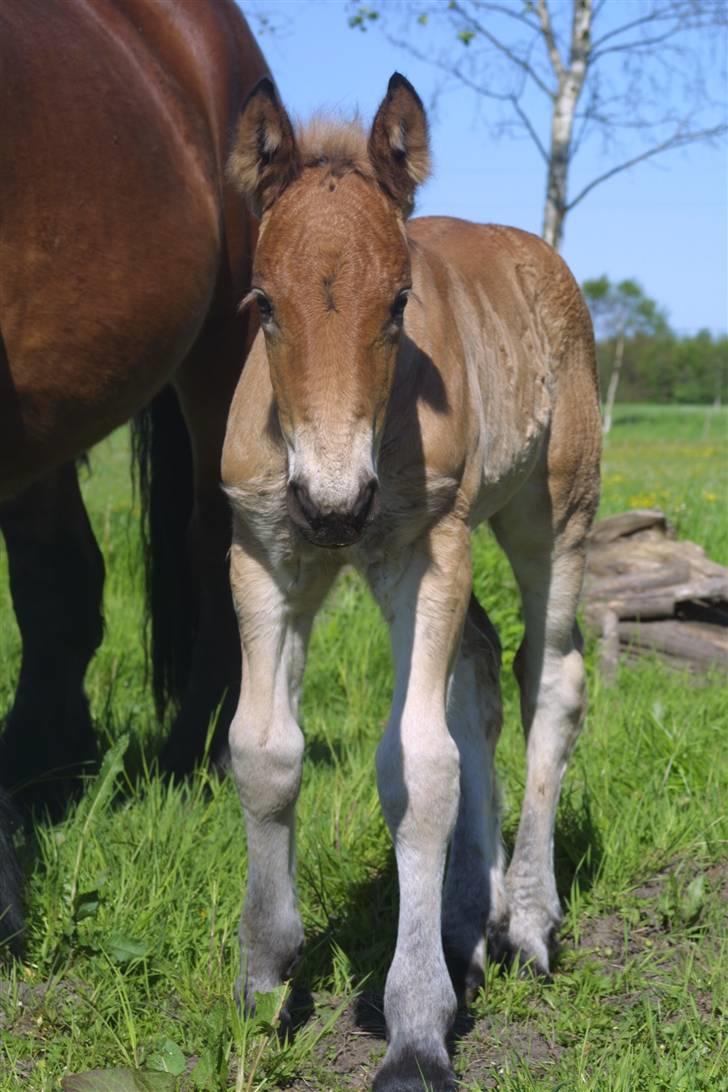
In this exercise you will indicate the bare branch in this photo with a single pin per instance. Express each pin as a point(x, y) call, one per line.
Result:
point(652, 17)
point(678, 140)
point(548, 34)
point(500, 9)
point(635, 46)
point(513, 57)
point(529, 127)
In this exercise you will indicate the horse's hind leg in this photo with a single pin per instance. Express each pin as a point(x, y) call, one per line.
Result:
point(474, 884)
point(56, 579)
point(548, 565)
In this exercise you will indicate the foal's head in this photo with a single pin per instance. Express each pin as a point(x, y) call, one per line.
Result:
point(331, 279)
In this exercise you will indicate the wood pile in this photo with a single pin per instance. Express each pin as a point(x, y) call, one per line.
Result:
point(646, 593)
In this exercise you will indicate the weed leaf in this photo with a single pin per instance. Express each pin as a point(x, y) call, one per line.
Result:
point(123, 949)
point(119, 1080)
point(167, 1058)
point(268, 1008)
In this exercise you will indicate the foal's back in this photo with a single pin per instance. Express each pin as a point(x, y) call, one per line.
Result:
point(499, 361)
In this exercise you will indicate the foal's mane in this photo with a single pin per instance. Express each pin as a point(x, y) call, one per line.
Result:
point(339, 146)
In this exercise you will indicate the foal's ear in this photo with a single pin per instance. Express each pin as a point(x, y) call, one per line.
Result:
point(265, 157)
point(399, 147)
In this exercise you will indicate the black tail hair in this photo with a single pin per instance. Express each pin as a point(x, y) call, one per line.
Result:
point(162, 471)
point(11, 900)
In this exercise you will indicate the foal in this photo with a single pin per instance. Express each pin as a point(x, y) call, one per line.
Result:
point(364, 434)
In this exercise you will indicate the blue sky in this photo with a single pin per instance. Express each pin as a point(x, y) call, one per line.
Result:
point(664, 223)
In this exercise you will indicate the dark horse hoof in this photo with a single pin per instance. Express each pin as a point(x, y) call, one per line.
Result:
point(414, 1072)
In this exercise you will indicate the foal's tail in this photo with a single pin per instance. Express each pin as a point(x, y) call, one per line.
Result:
point(162, 468)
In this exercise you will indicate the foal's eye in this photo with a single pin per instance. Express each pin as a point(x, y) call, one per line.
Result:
point(400, 302)
point(265, 307)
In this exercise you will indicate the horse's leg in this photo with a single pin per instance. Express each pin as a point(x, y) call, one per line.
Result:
point(214, 674)
point(474, 883)
point(266, 749)
point(418, 772)
point(56, 579)
point(548, 565)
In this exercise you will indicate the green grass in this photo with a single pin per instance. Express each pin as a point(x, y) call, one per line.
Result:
point(134, 898)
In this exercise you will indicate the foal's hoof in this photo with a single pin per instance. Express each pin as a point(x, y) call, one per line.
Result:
point(467, 975)
point(414, 1072)
point(531, 956)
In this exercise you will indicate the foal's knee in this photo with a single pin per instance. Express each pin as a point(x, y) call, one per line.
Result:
point(418, 773)
point(267, 757)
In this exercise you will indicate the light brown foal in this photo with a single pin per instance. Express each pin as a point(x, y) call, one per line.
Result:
point(389, 434)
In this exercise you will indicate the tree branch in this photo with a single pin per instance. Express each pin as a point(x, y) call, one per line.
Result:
point(519, 62)
point(548, 34)
point(675, 141)
point(528, 126)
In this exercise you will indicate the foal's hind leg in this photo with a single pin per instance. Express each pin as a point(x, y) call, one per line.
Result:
point(56, 579)
point(549, 667)
point(474, 885)
point(275, 612)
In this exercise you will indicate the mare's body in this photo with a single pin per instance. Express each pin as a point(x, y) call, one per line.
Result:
point(389, 434)
point(123, 256)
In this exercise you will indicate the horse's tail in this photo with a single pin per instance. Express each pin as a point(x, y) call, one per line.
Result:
point(11, 902)
point(162, 468)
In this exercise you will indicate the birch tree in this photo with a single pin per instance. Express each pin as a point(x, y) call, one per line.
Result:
point(566, 73)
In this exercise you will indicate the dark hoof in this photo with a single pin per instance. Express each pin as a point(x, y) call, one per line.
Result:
point(410, 1072)
point(501, 950)
point(467, 977)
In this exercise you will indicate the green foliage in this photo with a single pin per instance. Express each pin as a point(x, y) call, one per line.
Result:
point(622, 309)
point(134, 898)
point(362, 18)
point(659, 366)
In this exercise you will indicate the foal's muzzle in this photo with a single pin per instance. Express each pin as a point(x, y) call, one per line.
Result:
point(332, 527)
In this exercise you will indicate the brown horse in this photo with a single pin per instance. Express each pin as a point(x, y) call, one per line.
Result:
point(123, 256)
point(388, 434)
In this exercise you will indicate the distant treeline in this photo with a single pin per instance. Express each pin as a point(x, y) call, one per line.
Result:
point(663, 367)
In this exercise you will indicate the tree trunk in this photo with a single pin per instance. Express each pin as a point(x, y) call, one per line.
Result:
point(613, 383)
point(571, 81)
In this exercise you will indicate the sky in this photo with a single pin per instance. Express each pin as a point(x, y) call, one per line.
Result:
point(664, 223)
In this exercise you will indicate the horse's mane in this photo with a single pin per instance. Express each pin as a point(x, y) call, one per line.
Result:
point(339, 146)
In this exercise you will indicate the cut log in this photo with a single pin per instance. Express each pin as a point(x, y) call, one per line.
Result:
point(628, 523)
point(694, 641)
point(663, 602)
point(621, 585)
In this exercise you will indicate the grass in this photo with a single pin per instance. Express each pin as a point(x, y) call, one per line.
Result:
point(134, 898)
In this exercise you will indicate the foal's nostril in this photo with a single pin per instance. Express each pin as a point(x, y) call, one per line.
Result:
point(366, 504)
point(300, 504)
point(331, 526)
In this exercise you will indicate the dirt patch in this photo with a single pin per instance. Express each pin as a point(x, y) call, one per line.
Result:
point(494, 1046)
point(483, 1048)
point(350, 1052)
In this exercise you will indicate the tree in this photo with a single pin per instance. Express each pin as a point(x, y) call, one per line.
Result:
point(620, 311)
point(565, 75)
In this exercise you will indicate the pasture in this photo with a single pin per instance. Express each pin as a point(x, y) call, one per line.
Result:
point(134, 899)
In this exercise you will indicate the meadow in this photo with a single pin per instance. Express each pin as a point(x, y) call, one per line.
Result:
point(133, 899)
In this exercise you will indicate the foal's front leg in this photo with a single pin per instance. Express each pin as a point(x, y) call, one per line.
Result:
point(418, 776)
point(275, 612)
